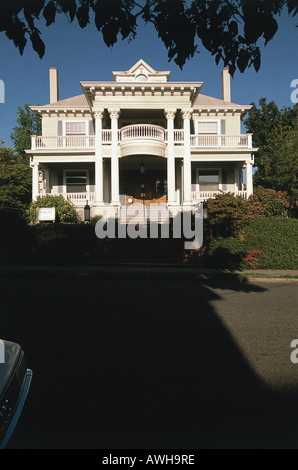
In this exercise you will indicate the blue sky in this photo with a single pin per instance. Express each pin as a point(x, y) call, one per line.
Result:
point(82, 55)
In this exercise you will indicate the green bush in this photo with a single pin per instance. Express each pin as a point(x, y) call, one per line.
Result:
point(63, 243)
point(274, 237)
point(277, 239)
point(16, 237)
point(64, 210)
point(227, 213)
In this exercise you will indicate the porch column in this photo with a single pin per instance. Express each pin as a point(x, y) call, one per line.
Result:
point(170, 115)
point(46, 173)
point(249, 183)
point(35, 171)
point(114, 115)
point(187, 199)
point(98, 115)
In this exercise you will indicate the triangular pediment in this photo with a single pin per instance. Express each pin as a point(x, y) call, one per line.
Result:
point(141, 71)
point(140, 67)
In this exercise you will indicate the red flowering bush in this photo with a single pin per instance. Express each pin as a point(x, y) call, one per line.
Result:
point(267, 203)
point(251, 260)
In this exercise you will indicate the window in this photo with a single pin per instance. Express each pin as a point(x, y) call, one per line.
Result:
point(141, 78)
point(208, 180)
point(160, 187)
point(207, 127)
point(75, 128)
point(76, 181)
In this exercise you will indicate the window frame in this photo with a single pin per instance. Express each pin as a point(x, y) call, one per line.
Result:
point(218, 169)
point(76, 170)
point(66, 121)
point(197, 121)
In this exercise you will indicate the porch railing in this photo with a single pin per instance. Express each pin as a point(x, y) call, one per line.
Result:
point(79, 199)
point(139, 132)
point(63, 142)
point(238, 141)
point(201, 196)
point(142, 131)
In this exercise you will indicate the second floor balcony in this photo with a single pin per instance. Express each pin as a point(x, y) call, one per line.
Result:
point(139, 133)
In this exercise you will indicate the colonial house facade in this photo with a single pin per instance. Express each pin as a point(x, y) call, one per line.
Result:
point(140, 139)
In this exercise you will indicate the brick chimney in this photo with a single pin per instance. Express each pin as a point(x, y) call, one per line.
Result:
point(226, 85)
point(54, 85)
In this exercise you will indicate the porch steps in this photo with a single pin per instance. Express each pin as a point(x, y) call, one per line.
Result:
point(143, 250)
point(146, 251)
point(139, 213)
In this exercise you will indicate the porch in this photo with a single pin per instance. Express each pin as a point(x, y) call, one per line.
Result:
point(81, 199)
point(142, 180)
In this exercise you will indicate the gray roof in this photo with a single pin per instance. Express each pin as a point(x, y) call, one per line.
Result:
point(204, 100)
point(75, 101)
point(81, 101)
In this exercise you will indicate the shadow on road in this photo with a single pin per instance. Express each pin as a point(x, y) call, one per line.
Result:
point(137, 363)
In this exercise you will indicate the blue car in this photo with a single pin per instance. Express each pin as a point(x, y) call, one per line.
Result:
point(15, 380)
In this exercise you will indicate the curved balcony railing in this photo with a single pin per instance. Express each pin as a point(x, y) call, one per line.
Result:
point(142, 131)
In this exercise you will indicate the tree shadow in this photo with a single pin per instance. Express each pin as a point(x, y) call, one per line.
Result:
point(138, 363)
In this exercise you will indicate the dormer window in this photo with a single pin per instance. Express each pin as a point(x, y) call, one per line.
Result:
point(141, 78)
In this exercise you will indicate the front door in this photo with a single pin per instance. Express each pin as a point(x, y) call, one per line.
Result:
point(149, 187)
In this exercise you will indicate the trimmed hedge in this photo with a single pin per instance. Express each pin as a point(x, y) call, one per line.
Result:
point(276, 237)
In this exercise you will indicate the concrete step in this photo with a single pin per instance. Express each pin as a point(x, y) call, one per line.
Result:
point(140, 213)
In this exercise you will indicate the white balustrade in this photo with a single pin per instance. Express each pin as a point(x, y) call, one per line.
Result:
point(68, 141)
point(80, 199)
point(219, 140)
point(141, 131)
point(200, 196)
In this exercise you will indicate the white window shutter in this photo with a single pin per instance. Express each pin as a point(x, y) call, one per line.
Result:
point(91, 127)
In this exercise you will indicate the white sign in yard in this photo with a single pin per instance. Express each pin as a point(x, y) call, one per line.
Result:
point(45, 214)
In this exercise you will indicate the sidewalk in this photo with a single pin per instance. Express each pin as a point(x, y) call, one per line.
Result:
point(147, 270)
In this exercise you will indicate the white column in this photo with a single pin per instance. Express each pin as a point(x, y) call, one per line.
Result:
point(46, 180)
point(249, 183)
point(114, 115)
point(98, 114)
point(187, 199)
point(35, 189)
point(170, 115)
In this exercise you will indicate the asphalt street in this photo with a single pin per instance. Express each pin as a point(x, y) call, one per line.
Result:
point(134, 363)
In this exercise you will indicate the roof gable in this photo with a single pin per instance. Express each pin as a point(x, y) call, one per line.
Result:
point(141, 71)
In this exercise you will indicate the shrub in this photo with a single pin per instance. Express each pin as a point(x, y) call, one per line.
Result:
point(226, 214)
point(277, 238)
point(268, 202)
point(251, 260)
point(64, 210)
point(16, 237)
point(269, 241)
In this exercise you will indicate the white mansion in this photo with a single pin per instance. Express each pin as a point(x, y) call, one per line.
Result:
point(140, 139)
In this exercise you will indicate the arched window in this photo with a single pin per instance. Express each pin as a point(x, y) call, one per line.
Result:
point(141, 78)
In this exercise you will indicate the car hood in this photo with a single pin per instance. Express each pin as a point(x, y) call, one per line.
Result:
point(12, 354)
